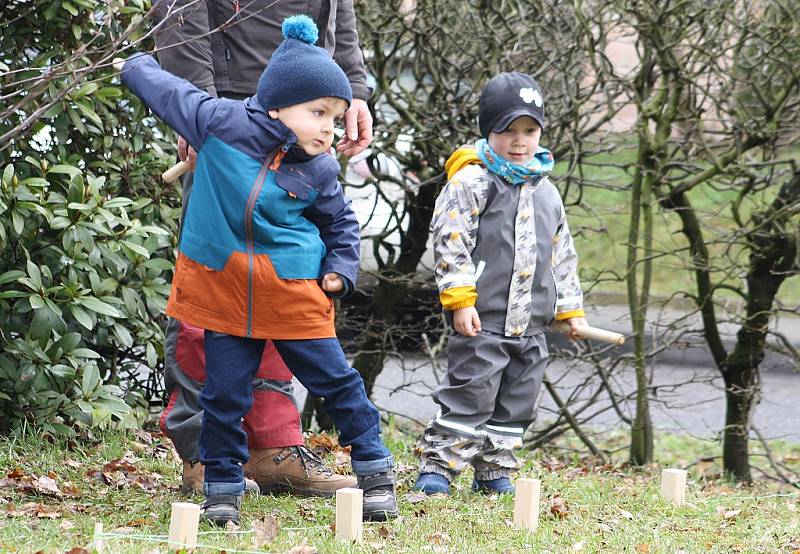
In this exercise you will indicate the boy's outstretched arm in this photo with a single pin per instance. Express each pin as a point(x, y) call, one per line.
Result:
point(180, 104)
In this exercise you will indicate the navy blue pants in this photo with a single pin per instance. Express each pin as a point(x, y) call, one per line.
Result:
point(320, 365)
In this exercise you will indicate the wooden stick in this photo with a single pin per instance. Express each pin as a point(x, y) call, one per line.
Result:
point(673, 485)
point(183, 524)
point(175, 171)
point(349, 513)
point(526, 504)
point(97, 542)
point(594, 333)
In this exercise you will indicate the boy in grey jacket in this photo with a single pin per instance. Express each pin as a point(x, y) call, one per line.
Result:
point(506, 268)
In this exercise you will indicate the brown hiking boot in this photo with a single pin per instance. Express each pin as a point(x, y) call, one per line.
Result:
point(295, 470)
point(192, 481)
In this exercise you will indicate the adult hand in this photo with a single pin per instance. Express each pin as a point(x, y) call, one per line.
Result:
point(574, 322)
point(466, 321)
point(186, 152)
point(357, 129)
point(332, 282)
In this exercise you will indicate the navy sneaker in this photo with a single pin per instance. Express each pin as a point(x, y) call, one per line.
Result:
point(432, 483)
point(219, 509)
point(499, 486)
point(380, 501)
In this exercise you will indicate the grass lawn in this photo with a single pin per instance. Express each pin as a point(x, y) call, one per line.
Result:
point(52, 495)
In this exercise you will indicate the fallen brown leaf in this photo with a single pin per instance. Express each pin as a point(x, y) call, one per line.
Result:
point(643, 548)
point(558, 507)
point(439, 538)
point(265, 531)
point(46, 485)
point(416, 497)
point(143, 436)
point(552, 464)
point(322, 443)
point(49, 513)
point(385, 532)
point(77, 550)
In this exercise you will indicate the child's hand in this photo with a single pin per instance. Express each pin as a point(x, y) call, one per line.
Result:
point(574, 322)
point(332, 282)
point(466, 321)
point(186, 153)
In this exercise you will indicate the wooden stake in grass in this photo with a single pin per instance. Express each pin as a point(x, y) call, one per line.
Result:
point(183, 524)
point(526, 504)
point(97, 541)
point(349, 512)
point(673, 485)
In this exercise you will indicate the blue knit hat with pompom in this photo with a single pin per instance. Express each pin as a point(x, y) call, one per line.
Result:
point(299, 71)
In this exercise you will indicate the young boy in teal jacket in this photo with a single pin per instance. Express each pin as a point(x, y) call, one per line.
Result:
point(268, 239)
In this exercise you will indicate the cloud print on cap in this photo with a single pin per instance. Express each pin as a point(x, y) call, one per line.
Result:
point(529, 95)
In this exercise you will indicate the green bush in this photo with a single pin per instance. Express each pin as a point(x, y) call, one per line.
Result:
point(86, 230)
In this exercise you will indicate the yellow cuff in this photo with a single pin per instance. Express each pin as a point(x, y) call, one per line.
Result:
point(570, 314)
point(458, 297)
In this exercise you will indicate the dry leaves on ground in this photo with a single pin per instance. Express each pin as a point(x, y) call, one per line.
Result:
point(558, 507)
point(265, 531)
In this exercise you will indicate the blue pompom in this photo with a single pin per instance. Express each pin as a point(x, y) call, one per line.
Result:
point(300, 27)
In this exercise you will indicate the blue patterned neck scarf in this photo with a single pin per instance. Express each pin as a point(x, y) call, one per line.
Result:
point(515, 174)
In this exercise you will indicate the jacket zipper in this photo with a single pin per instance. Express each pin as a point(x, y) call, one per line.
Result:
point(255, 191)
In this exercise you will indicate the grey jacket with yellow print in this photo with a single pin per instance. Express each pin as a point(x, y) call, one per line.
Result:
point(507, 250)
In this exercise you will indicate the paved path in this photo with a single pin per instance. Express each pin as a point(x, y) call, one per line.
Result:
point(694, 405)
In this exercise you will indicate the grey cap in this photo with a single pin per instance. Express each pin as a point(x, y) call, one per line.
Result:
point(506, 97)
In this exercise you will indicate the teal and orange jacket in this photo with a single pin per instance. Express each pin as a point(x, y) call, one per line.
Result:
point(264, 222)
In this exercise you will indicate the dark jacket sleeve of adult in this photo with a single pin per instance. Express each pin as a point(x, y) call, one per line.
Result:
point(183, 41)
point(348, 52)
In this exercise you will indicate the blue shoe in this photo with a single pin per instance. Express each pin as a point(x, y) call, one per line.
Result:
point(500, 486)
point(432, 483)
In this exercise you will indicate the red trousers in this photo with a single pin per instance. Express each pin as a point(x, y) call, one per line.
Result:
point(272, 422)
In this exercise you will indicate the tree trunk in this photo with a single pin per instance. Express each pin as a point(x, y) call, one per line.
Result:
point(641, 447)
point(773, 252)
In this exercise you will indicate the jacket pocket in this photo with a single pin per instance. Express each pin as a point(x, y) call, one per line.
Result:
point(300, 300)
point(194, 285)
point(293, 184)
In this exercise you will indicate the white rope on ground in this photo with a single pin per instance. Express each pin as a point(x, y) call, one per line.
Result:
point(153, 538)
point(721, 498)
point(165, 539)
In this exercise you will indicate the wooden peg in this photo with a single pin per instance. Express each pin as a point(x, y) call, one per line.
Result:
point(183, 525)
point(594, 333)
point(97, 540)
point(673, 485)
point(526, 504)
point(349, 513)
point(175, 171)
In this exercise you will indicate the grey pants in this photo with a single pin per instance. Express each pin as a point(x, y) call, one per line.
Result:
point(486, 401)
